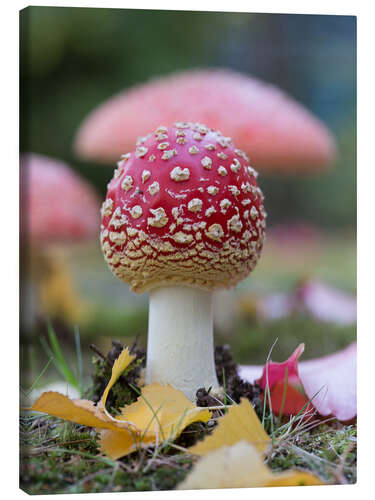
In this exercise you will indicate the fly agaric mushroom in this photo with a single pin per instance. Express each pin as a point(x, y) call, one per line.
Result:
point(60, 205)
point(57, 206)
point(183, 217)
point(278, 133)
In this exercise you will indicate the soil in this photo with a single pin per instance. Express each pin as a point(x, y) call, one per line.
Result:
point(122, 393)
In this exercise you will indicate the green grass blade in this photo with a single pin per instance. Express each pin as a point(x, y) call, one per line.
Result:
point(59, 360)
point(283, 398)
point(38, 377)
point(98, 458)
point(77, 340)
point(267, 389)
point(225, 390)
point(152, 410)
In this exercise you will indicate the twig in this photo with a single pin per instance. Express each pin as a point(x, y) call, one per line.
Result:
point(97, 351)
point(75, 441)
point(134, 344)
point(180, 448)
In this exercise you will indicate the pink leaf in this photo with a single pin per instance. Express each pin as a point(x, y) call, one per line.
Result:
point(289, 403)
point(330, 381)
point(288, 400)
point(334, 378)
point(275, 372)
point(283, 381)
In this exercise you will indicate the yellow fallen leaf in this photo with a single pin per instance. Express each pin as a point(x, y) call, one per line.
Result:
point(240, 466)
point(162, 413)
point(118, 444)
point(240, 423)
point(121, 363)
point(165, 410)
point(83, 411)
point(80, 411)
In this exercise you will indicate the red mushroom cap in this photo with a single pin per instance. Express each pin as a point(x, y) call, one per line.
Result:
point(280, 133)
point(183, 208)
point(57, 203)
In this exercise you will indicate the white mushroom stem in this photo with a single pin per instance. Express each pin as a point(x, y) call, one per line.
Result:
point(180, 348)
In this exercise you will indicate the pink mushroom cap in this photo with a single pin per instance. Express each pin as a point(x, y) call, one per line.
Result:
point(183, 208)
point(57, 204)
point(277, 132)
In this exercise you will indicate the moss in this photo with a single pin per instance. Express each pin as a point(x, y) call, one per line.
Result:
point(66, 460)
point(167, 479)
point(60, 457)
point(155, 479)
point(323, 450)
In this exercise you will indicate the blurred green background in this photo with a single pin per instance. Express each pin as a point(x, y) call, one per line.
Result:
point(72, 59)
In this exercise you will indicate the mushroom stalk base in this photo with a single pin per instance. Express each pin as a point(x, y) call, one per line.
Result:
point(180, 348)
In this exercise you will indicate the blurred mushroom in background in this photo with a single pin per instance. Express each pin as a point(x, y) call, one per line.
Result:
point(276, 132)
point(58, 208)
